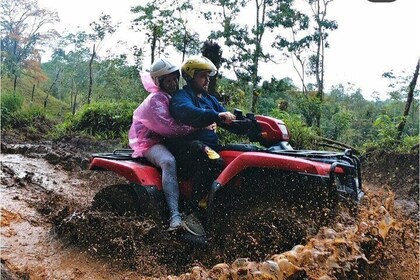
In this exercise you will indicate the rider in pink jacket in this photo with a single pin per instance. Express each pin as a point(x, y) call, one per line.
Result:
point(152, 122)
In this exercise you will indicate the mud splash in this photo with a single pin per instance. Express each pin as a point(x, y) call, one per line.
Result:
point(359, 250)
point(49, 232)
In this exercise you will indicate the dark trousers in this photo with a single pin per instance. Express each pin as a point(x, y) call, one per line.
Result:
point(193, 161)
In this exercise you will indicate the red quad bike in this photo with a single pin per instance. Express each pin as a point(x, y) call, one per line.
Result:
point(304, 186)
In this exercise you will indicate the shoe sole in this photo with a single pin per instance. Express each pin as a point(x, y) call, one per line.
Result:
point(193, 226)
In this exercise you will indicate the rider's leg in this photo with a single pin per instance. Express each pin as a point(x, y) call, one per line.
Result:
point(161, 157)
point(201, 163)
point(207, 165)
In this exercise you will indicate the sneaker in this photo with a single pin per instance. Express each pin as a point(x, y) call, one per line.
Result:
point(175, 222)
point(193, 225)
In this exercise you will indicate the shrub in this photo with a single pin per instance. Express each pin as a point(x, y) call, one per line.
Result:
point(103, 120)
point(386, 135)
point(10, 104)
point(25, 118)
point(408, 143)
point(301, 136)
point(13, 102)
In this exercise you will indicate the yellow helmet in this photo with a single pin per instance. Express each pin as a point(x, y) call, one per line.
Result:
point(196, 64)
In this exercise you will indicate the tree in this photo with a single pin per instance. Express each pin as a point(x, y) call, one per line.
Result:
point(213, 51)
point(68, 66)
point(410, 97)
point(319, 11)
point(296, 45)
point(156, 23)
point(117, 81)
point(278, 94)
point(183, 39)
point(23, 32)
point(244, 42)
point(100, 29)
point(402, 100)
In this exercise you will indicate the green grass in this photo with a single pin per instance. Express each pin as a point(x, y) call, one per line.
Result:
point(55, 109)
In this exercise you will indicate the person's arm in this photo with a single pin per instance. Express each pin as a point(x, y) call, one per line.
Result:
point(183, 110)
point(225, 117)
point(158, 119)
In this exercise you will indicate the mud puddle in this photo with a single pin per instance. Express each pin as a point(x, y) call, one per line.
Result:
point(37, 196)
point(31, 190)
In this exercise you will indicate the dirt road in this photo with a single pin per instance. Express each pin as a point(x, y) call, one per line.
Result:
point(42, 187)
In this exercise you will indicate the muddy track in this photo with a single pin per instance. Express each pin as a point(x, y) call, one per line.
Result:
point(48, 231)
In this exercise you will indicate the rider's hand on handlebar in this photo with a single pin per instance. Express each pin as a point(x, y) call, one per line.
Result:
point(227, 117)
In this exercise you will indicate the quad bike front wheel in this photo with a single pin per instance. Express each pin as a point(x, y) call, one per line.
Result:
point(270, 211)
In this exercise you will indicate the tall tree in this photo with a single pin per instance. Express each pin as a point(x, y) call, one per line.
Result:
point(23, 32)
point(155, 21)
point(322, 25)
point(183, 39)
point(295, 44)
point(69, 65)
point(101, 28)
point(246, 41)
point(410, 97)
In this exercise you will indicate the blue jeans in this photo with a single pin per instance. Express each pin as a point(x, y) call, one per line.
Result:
point(161, 157)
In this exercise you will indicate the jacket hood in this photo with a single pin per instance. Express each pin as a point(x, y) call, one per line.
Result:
point(148, 83)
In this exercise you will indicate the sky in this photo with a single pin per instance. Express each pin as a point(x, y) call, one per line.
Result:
point(372, 38)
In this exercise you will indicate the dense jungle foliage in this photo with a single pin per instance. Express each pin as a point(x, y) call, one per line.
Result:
point(82, 93)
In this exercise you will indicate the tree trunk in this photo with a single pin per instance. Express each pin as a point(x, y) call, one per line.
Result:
point(51, 87)
point(255, 98)
point(90, 74)
point(73, 111)
point(184, 45)
point(320, 14)
point(14, 84)
point(73, 96)
point(33, 92)
point(153, 46)
point(301, 72)
point(319, 69)
point(410, 97)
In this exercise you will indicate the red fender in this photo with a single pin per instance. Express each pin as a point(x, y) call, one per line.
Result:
point(266, 160)
point(134, 172)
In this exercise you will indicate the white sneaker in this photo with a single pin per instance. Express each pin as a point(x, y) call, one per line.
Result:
point(175, 222)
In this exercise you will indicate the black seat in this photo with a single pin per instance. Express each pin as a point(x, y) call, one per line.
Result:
point(242, 148)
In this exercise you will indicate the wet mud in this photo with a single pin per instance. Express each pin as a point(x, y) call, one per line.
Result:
point(50, 231)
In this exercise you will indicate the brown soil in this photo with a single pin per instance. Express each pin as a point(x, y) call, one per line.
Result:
point(398, 173)
point(50, 231)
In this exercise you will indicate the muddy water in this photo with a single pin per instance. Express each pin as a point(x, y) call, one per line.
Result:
point(29, 247)
point(35, 194)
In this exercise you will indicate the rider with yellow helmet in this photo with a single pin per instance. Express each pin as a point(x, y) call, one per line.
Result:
point(193, 105)
point(196, 153)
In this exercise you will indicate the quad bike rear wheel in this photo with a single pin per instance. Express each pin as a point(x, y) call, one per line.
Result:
point(131, 200)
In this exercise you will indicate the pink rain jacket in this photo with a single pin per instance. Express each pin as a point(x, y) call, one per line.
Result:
point(152, 120)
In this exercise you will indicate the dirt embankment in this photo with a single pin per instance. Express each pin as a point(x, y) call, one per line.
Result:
point(398, 173)
point(49, 232)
